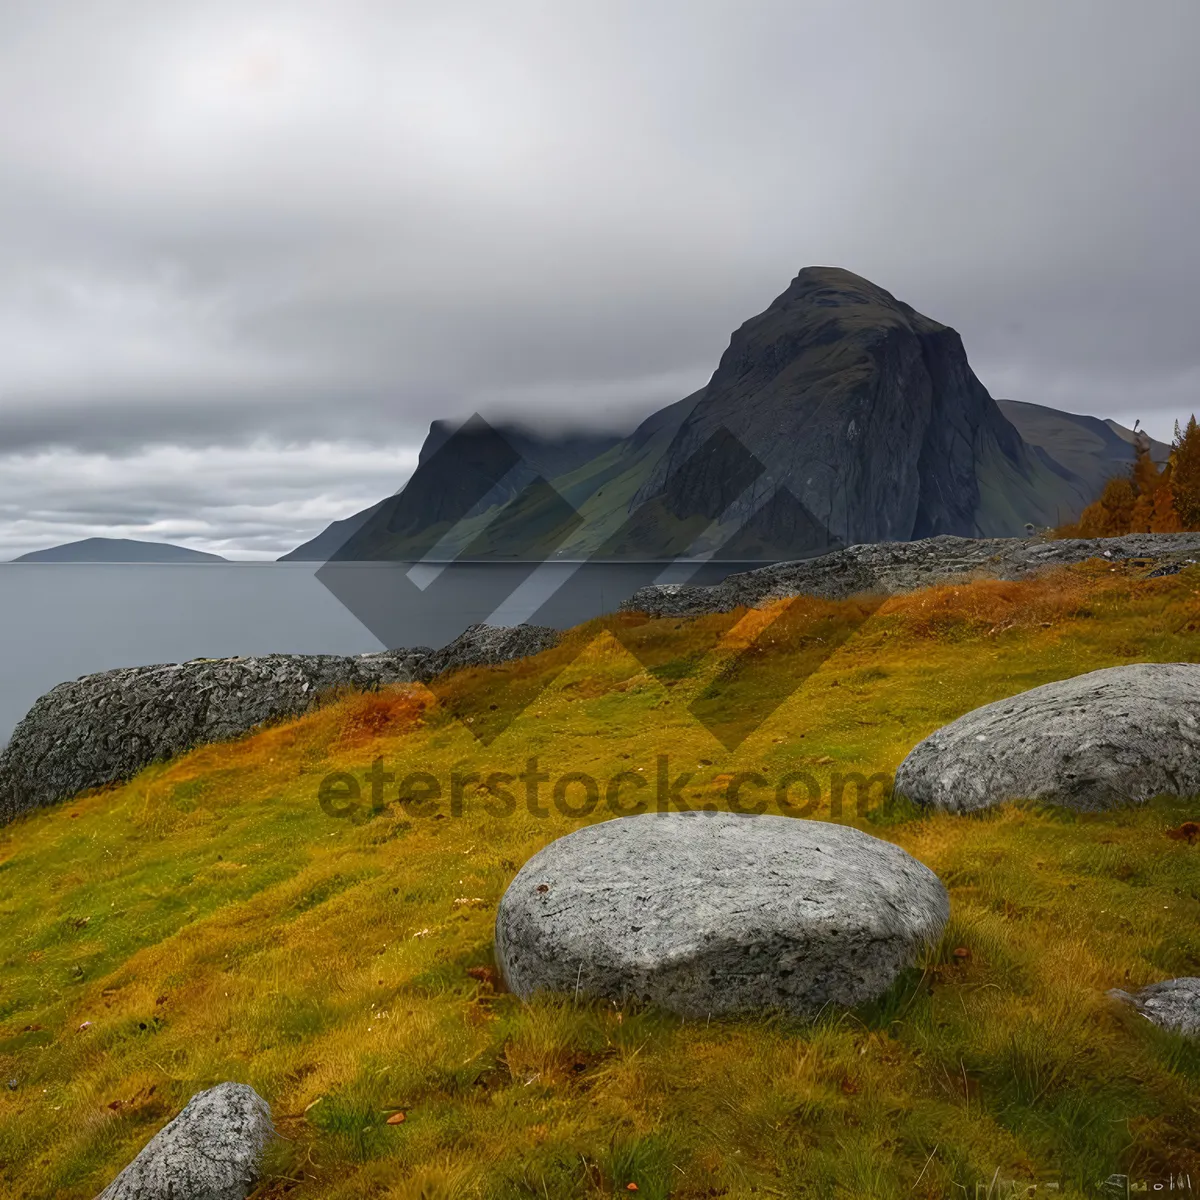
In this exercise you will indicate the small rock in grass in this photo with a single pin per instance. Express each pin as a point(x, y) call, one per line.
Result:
point(1173, 1004)
point(211, 1151)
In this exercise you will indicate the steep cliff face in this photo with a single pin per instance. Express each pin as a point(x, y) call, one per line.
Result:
point(870, 418)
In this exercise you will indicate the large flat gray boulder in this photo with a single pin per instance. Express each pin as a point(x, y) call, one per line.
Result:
point(713, 913)
point(1104, 740)
point(105, 728)
point(212, 1151)
point(1173, 1004)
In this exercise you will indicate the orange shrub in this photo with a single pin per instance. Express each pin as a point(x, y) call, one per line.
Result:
point(989, 606)
point(368, 715)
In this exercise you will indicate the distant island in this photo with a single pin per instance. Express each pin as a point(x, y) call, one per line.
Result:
point(118, 550)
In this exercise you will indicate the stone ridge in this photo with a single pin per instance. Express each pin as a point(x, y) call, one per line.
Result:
point(104, 728)
point(887, 567)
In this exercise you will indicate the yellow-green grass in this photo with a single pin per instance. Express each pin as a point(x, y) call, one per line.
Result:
point(209, 921)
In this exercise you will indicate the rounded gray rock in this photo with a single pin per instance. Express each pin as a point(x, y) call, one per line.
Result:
point(1108, 739)
point(1173, 1004)
point(714, 913)
point(212, 1151)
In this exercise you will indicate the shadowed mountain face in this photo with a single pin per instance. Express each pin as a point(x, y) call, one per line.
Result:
point(118, 550)
point(868, 415)
point(483, 491)
point(839, 415)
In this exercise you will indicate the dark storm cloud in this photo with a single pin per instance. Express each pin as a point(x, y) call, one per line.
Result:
point(286, 225)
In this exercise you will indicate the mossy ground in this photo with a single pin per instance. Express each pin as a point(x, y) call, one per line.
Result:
point(209, 921)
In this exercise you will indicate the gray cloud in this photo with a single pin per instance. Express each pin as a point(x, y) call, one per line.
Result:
point(254, 500)
point(255, 228)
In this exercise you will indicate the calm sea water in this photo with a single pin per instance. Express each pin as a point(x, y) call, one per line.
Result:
point(62, 620)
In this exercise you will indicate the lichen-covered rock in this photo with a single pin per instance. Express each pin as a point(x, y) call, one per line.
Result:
point(1104, 740)
point(711, 913)
point(211, 1151)
point(104, 728)
point(887, 567)
point(485, 645)
point(1173, 1004)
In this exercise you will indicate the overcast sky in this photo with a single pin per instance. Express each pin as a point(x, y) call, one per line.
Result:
point(250, 250)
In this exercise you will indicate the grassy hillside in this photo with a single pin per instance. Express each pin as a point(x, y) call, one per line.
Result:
point(210, 921)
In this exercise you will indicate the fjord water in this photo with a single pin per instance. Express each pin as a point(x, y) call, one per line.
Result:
point(62, 620)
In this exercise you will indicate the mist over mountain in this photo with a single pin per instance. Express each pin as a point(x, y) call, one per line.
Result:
point(838, 415)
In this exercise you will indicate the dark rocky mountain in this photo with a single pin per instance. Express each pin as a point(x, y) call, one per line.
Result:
point(839, 415)
point(118, 550)
point(460, 472)
point(866, 416)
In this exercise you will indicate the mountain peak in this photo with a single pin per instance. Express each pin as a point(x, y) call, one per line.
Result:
point(822, 304)
point(835, 286)
point(867, 413)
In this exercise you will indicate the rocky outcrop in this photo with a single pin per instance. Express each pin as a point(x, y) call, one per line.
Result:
point(212, 1151)
point(868, 415)
point(888, 567)
point(712, 913)
point(1173, 1004)
point(1104, 740)
point(486, 645)
point(104, 728)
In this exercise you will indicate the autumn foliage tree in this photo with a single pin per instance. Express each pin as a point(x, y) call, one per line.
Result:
point(1112, 514)
point(1185, 474)
point(1166, 516)
point(1148, 499)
